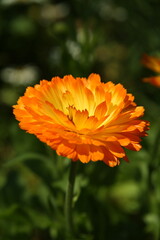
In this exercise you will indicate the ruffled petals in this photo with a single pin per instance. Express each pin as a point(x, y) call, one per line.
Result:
point(83, 119)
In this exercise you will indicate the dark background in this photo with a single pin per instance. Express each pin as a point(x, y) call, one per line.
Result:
point(41, 39)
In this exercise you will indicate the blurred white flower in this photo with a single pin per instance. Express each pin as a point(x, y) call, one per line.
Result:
point(51, 12)
point(108, 10)
point(20, 76)
point(74, 49)
point(8, 2)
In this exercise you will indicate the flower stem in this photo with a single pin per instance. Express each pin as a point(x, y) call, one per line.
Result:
point(69, 200)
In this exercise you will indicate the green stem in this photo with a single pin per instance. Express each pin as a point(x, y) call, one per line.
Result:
point(69, 200)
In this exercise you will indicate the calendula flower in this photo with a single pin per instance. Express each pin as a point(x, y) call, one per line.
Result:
point(152, 63)
point(83, 118)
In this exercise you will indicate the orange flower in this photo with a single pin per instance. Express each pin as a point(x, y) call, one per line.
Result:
point(153, 64)
point(83, 118)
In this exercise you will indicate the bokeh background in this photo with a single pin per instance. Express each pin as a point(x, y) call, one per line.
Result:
point(40, 39)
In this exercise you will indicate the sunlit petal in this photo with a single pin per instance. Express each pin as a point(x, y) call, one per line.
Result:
point(83, 118)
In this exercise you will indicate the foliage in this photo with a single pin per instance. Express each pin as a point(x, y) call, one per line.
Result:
point(41, 39)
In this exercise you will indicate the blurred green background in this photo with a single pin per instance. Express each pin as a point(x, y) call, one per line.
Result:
point(40, 39)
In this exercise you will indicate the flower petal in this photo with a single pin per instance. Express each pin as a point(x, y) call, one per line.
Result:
point(151, 62)
point(153, 80)
point(83, 118)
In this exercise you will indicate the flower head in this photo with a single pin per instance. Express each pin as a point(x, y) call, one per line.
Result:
point(152, 63)
point(83, 118)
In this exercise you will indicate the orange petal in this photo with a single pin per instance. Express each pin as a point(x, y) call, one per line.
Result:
point(100, 110)
point(153, 80)
point(93, 81)
point(151, 62)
